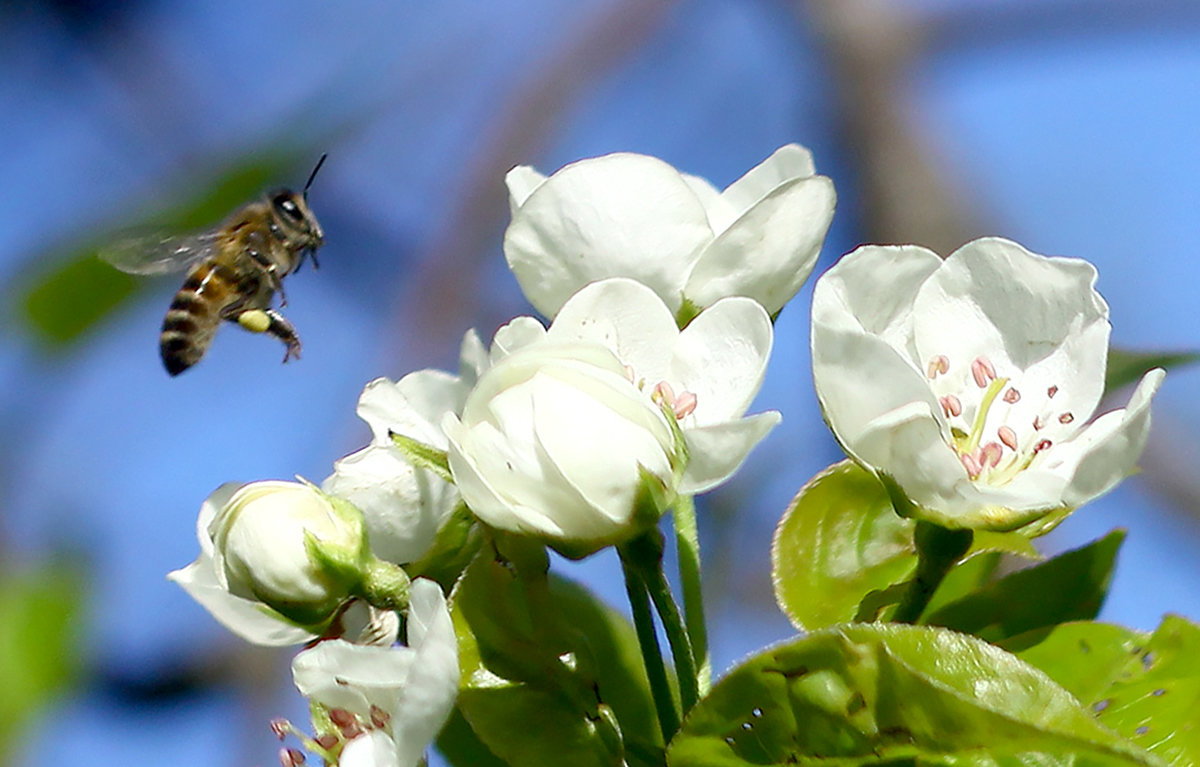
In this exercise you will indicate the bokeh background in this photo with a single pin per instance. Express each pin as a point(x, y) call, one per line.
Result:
point(1068, 125)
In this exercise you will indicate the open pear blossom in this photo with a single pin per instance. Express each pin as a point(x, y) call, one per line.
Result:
point(403, 505)
point(386, 704)
point(630, 215)
point(558, 435)
point(969, 383)
point(255, 572)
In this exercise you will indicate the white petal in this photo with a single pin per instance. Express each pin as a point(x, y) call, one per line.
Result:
point(769, 251)
point(873, 290)
point(251, 621)
point(411, 406)
point(860, 379)
point(212, 505)
point(1112, 454)
point(788, 162)
point(403, 506)
point(372, 749)
point(994, 298)
point(521, 181)
point(472, 360)
point(721, 357)
point(516, 335)
point(620, 215)
point(719, 211)
point(602, 467)
point(718, 450)
point(427, 698)
point(626, 317)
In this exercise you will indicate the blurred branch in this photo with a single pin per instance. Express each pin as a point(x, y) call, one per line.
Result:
point(447, 285)
point(871, 46)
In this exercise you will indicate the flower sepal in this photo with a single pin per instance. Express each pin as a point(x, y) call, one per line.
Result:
point(1031, 523)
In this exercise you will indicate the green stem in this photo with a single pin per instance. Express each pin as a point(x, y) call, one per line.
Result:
point(681, 647)
point(687, 539)
point(938, 550)
point(656, 672)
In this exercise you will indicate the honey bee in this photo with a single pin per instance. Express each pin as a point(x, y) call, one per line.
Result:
point(234, 272)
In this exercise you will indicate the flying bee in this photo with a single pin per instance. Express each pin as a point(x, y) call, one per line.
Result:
point(234, 272)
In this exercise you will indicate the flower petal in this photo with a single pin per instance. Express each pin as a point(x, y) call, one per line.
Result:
point(788, 162)
point(403, 506)
point(371, 749)
point(516, 335)
point(626, 317)
point(1110, 455)
point(721, 357)
point(994, 298)
point(251, 621)
point(621, 215)
point(769, 251)
point(521, 181)
point(411, 406)
point(716, 451)
point(427, 698)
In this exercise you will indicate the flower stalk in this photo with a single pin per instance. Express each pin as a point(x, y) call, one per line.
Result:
point(687, 540)
point(938, 550)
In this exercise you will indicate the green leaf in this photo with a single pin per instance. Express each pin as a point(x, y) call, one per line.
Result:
point(460, 746)
point(39, 614)
point(1156, 697)
point(970, 575)
point(1126, 366)
point(559, 659)
point(877, 694)
point(1069, 587)
point(65, 291)
point(1084, 657)
point(839, 541)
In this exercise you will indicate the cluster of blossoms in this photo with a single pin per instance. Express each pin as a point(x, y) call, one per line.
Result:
point(965, 384)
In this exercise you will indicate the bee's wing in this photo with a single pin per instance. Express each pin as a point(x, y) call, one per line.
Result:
point(159, 254)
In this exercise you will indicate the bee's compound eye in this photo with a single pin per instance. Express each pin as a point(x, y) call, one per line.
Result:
point(286, 204)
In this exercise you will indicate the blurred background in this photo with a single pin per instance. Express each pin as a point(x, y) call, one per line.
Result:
point(1068, 125)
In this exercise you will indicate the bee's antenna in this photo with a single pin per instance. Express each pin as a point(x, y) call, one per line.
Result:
point(313, 175)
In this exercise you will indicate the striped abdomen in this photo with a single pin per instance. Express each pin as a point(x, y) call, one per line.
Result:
point(194, 315)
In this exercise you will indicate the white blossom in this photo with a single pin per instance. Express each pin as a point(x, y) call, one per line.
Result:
point(970, 382)
point(391, 702)
point(404, 506)
point(256, 563)
point(630, 215)
point(555, 436)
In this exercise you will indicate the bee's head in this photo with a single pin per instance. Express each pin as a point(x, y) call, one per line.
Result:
point(297, 224)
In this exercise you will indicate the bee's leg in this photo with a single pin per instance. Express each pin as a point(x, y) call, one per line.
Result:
point(272, 274)
point(268, 321)
point(284, 331)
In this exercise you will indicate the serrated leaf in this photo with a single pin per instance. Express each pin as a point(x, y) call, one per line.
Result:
point(38, 629)
point(558, 661)
point(839, 541)
point(877, 694)
point(1126, 366)
point(1069, 587)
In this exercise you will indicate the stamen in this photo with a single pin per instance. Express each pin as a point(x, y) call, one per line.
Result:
point(1038, 423)
point(1007, 436)
point(971, 464)
point(281, 727)
point(341, 717)
point(685, 405)
point(1012, 396)
point(937, 366)
point(291, 757)
point(379, 717)
point(1040, 446)
point(983, 372)
point(990, 454)
point(1051, 392)
point(951, 405)
point(326, 741)
point(1066, 418)
point(663, 394)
